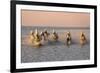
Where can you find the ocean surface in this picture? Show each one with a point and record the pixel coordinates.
(55, 51)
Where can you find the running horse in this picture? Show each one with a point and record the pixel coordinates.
(55, 36)
(68, 39)
(82, 39)
(44, 35)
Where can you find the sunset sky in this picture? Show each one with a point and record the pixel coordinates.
(54, 19)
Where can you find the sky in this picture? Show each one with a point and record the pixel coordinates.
(54, 19)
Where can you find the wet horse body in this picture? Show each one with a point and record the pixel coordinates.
(35, 39)
(82, 39)
(44, 35)
(68, 38)
(55, 36)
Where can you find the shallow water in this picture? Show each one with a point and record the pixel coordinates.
(55, 51)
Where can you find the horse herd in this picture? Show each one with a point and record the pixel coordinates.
(35, 38)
